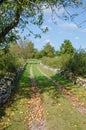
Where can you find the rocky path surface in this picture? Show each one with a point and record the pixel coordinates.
(36, 119)
(75, 101)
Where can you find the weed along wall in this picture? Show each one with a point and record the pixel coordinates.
(7, 84)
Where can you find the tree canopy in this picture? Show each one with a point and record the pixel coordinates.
(67, 47)
(16, 14)
(48, 50)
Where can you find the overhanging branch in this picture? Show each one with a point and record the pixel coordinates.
(10, 26)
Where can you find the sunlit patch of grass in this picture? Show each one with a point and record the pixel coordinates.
(77, 91)
(59, 112)
(15, 111)
(33, 61)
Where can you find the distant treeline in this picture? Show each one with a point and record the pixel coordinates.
(67, 58)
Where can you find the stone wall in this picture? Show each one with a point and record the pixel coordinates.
(81, 82)
(7, 84)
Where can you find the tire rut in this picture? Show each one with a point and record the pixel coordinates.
(36, 119)
(75, 101)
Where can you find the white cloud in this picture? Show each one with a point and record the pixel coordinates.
(68, 26)
(84, 30)
(46, 9)
(64, 25)
(76, 38)
(60, 10)
(56, 10)
(48, 40)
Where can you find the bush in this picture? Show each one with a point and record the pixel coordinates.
(78, 63)
(57, 62)
(10, 61)
(70, 63)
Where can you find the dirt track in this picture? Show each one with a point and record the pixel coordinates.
(75, 101)
(36, 120)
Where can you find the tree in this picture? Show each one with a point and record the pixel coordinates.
(48, 50)
(18, 13)
(30, 50)
(67, 48)
(38, 54)
(11, 60)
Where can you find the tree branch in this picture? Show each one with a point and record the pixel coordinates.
(10, 26)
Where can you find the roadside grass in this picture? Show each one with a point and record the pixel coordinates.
(33, 61)
(59, 112)
(77, 91)
(15, 111)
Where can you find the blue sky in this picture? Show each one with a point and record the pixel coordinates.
(61, 30)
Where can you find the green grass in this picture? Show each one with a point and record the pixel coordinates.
(79, 92)
(59, 112)
(33, 61)
(15, 111)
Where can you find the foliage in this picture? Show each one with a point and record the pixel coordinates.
(68, 60)
(49, 61)
(77, 64)
(66, 47)
(12, 59)
(1, 59)
(57, 62)
(48, 50)
(38, 54)
(19, 13)
(30, 49)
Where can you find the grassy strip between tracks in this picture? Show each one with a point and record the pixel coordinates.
(77, 91)
(60, 113)
(15, 111)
